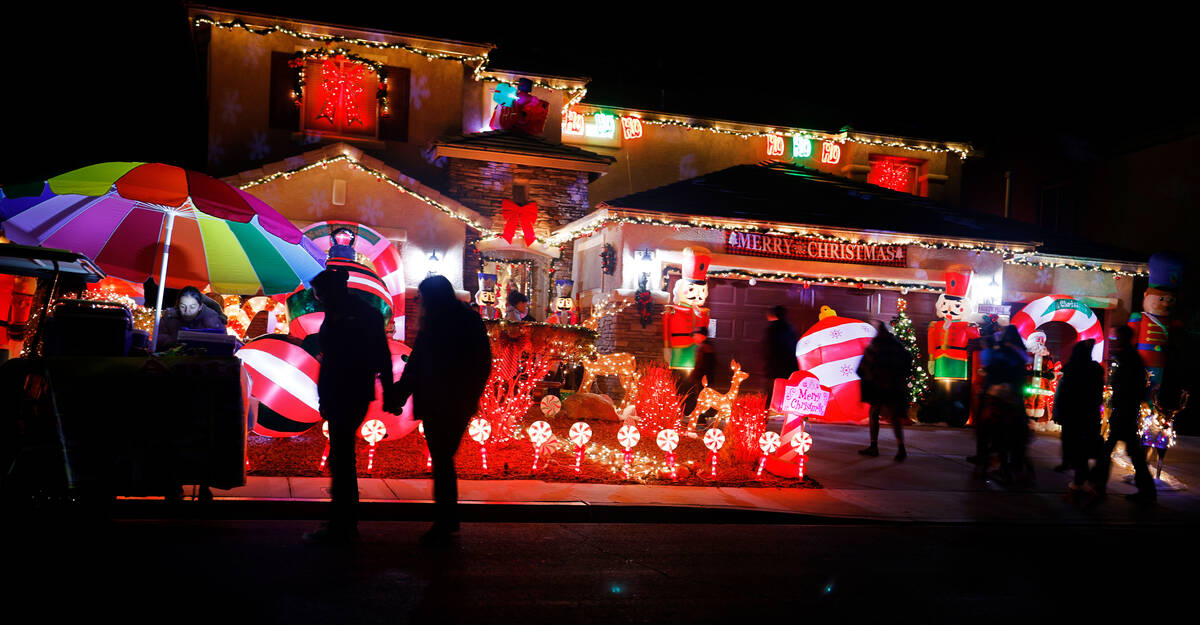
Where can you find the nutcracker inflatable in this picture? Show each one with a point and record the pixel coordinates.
(1152, 326)
(686, 313)
(949, 335)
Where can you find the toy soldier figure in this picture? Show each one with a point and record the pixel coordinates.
(686, 314)
(1152, 326)
(948, 337)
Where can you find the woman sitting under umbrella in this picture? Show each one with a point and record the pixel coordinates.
(190, 313)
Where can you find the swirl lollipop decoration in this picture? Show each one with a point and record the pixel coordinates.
(714, 439)
(480, 430)
(628, 436)
(580, 433)
(428, 456)
(324, 454)
(768, 443)
(539, 432)
(372, 431)
(802, 442)
(668, 440)
(550, 406)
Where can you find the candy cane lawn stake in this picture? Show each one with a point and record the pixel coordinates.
(667, 441)
(539, 432)
(550, 406)
(480, 430)
(428, 456)
(580, 433)
(802, 442)
(372, 431)
(628, 436)
(324, 454)
(768, 442)
(713, 440)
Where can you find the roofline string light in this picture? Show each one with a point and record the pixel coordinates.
(807, 280)
(1078, 266)
(382, 177)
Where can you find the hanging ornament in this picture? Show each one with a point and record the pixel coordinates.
(539, 432)
(580, 433)
(714, 439)
(480, 430)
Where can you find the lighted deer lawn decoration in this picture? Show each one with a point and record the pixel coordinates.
(621, 364)
(722, 403)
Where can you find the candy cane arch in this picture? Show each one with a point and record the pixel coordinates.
(480, 430)
(714, 439)
(768, 443)
(1069, 310)
(377, 249)
(668, 440)
(628, 436)
(539, 432)
(580, 433)
(372, 431)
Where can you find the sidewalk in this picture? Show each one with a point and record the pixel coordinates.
(933, 485)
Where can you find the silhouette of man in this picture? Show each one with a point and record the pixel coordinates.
(1128, 380)
(445, 375)
(354, 351)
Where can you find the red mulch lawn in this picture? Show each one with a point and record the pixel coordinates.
(300, 456)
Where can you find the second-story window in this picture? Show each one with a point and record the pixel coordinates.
(897, 173)
(340, 98)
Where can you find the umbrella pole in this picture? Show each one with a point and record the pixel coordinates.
(162, 277)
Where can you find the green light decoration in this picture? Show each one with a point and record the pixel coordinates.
(603, 126)
(801, 147)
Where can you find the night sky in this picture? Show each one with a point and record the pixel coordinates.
(108, 83)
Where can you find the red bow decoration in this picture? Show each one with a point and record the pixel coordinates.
(515, 215)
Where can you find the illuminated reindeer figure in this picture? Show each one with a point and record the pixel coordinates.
(723, 403)
(621, 364)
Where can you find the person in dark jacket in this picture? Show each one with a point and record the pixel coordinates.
(445, 375)
(354, 351)
(1128, 381)
(1003, 425)
(780, 345)
(1077, 409)
(705, 368)
(884, 373)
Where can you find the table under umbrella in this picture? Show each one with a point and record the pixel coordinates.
(140, 219)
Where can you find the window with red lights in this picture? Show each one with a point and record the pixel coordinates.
(897, 173)
(341, 99)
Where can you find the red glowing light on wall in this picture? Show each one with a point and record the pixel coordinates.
(774, 145)
(830, 152)
(897, 174)
(631, 128)
(573, 124)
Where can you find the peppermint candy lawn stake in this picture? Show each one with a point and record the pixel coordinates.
(628, 436)
(324, 454)
(539, 432)
(802, 442)
(668, 440)
(713, 440)
(768, 442)
(480, 430)
(428, 457)
(550, 406)
(580, 433)
(372, 431)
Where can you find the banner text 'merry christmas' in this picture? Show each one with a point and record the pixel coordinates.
(811, 248)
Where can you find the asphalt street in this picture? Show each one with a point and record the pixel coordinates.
(228, 571)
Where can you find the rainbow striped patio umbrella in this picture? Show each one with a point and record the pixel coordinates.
(140, 219)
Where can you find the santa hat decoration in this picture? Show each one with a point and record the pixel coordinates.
(1166, 271)
(956, 283)
(695, 264)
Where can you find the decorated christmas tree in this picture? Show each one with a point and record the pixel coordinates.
(918, 379)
